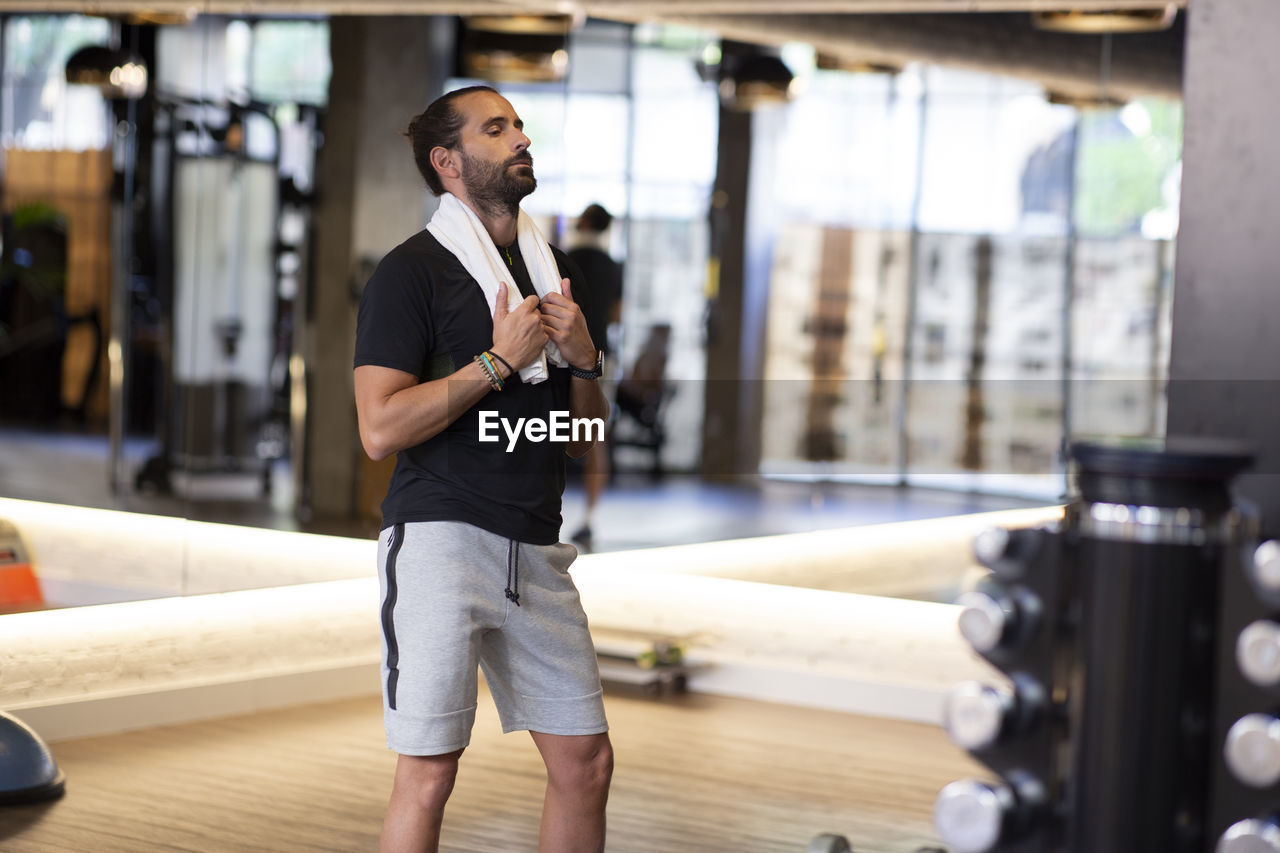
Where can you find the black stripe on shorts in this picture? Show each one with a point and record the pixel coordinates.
(388, 614)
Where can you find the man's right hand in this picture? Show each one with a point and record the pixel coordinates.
(517, 334)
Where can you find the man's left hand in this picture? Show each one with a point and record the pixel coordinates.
(566, 326)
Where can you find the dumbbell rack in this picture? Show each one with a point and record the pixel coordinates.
(1143, 664)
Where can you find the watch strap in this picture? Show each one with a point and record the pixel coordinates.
(594, 373)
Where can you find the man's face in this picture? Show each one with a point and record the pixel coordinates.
(497, 169)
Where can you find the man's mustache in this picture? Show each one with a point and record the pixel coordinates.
(521, 160)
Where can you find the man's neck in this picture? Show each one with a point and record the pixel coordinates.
(501, 224)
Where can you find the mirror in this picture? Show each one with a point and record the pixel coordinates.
(155, 250)
(949, 270)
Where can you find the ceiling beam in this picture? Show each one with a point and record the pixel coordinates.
(631, 10)
(274, 7)
(634, 8)
(1073, 65)
(1080, 66)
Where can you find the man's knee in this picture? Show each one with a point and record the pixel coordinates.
(427, 779)
(587, 768)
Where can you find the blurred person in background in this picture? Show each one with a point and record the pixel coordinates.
(603, 274)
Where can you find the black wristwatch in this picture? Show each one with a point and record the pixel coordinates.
(595, 372)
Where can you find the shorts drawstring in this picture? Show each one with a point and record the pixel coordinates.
(513, 571)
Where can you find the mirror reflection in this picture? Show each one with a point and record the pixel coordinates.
(854, 290)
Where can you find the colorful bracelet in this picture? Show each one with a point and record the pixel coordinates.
(488, 360)
(490, 372)
(493, 369)
(505, 363)
(495, 378)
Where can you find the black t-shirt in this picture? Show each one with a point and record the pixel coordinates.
(422, 313)
(604, 277)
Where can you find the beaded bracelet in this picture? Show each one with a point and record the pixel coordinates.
(490, 372)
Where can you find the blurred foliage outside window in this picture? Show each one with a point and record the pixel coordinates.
(1128, 169)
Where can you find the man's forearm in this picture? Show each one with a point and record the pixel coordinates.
(586, 400)
(415, 414)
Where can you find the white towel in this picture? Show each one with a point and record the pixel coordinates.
(460, 231)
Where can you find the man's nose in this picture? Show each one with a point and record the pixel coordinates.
(522, 141)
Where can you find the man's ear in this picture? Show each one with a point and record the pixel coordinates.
(445, 162)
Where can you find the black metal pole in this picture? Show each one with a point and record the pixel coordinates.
(1152, 528)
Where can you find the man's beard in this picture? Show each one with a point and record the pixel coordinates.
(493, 187)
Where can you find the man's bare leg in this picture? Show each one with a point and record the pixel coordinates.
(422, 787)
(595, 476)
(579, 768)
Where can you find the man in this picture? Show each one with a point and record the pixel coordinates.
(471, 569)
(590, 253)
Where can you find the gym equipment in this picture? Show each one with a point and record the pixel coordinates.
(828, 843)
(1141, 644)
(219, 314)
(1117, 629)
(653, 662)
(28, 773)
(19, 587)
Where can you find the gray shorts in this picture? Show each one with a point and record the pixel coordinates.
(455, 597)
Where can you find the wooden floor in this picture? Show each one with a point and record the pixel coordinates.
(694, 773)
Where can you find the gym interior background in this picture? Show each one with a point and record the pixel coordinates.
(899, 254)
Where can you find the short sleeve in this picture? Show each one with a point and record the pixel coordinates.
(393, 326)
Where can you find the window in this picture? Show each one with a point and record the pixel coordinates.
(634, 128)
(291, 61)
(1003, 248)
(40, 110)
